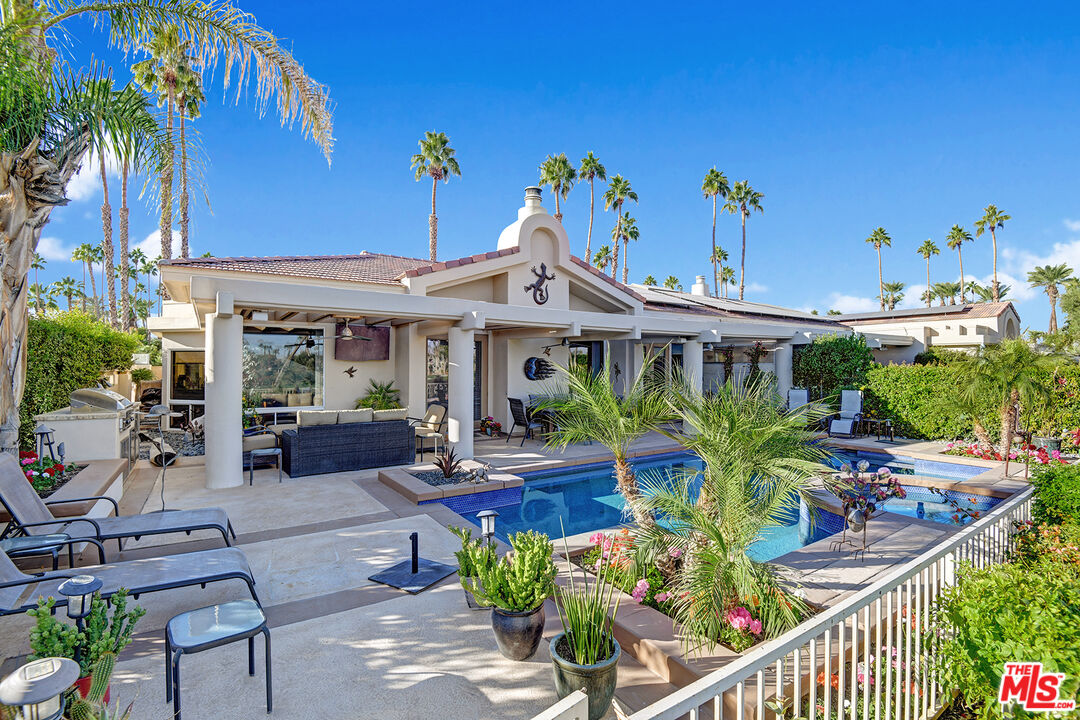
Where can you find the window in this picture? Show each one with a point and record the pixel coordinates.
(283, 368)
(438, 372)
(188, 376)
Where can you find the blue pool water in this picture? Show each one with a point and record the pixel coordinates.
(583, 498)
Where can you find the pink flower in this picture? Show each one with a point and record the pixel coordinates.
(596, 538)
(739, 618)
(755, 627)
(675, 553)
(662, 597)
(640, 590)
(27, 461)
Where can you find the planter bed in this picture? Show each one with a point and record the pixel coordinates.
(98, 477)
(406, 482)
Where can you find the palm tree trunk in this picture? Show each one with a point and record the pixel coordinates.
(960, 254)
(93, 287)
(1052, 294)
(83, 298)
(625, 260)
(742, 263)
(715, 271)
(588, 239)
(125, 301)
(433, 224)
(626, 481)
(981, 435)
(880, 279)
(558, 212)
(993, 238)
(166, 187)
(1008, 424)
(615, 242)
(106, 242)
(184, 250)
(31, 187)
(927, 281)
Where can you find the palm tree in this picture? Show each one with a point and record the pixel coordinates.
(38, 263)
(593, 411)
(727, 277)
(956, 238)
(618, 192)
(715, 185)
(591, 169)
(436, 160)
(149, 268)
(992, 220)
(1008, 373)
(43, 298)
(189, 103)
(557, 173)
(880, 238)
(986, 294)
(947, 291)
(672, 283)
(743, 199)
(137, 258)
(602, 258)
(928, 296)
(893, 294)
(649, 280)
(748, 485)
(629, 230)
(84, 254)
(69, 288)
(718, 258)
(927, 249)
(1048, 277)
(50, 117)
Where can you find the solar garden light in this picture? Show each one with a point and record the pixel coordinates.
(43, 433)
(37, 688)
(487, 523)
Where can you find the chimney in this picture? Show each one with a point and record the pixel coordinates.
(699, 287)
(532, 203)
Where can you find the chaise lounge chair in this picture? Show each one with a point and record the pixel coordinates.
(30, 515)
(846, 423)
(797, 397)
(19, 591)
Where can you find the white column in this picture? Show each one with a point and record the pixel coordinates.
(693, 362)
(224, 425)
(460, 421)
(782, 368)
(410, 367)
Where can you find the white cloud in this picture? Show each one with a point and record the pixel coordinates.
(52, 248)
(754, 287)
(1073, 225)
(151, 246)
(851, 303)
(87, 182)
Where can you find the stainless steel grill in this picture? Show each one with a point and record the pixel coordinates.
(99, 399)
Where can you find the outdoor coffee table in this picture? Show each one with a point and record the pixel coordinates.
(38, 546)
(208, 628)
(273, 452)
(880, 428)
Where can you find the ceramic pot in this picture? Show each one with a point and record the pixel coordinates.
(1050, 444)
(518, 634)
(598, 680)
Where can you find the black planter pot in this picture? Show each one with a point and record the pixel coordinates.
(598, 680)
(518, 634)
(470, 600)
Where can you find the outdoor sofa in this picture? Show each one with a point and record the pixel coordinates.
(30, 515)
(329, 441)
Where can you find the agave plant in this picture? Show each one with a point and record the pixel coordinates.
(447, 462)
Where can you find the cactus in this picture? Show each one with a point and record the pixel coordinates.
(90, 707)
(521, 580)
(473, 553)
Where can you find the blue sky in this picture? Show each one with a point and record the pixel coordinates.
(911, 116)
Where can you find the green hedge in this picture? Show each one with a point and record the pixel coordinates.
(66, 352)
(916, 398)
(832, 363)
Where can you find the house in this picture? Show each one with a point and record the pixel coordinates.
(311, 332)
(897, 336)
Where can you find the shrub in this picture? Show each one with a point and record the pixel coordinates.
(1057, 494)
(1008, 613)
(916, 397)
(141, 375)
(520, 580)
(939, 356)
(66, 352)
(832, 363)
(380, 396)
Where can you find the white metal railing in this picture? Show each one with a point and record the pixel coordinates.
(870, 649)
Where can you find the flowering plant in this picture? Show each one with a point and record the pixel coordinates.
(1025, 453)
(41, 472)
(490, 423)
(741, 629)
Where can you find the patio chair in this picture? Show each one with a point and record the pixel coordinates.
(797, 397)
(30, 515)
(19, 591)
(846, 423)
(429, 427)
(523, 418)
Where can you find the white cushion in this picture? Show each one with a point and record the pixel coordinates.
(308, 418)
(345, 417)
(397, 414)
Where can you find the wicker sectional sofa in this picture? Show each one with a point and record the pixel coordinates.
(326, 441)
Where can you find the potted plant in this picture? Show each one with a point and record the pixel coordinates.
(490, 426)
(515, 587)
(585, 655)
(472, 553)
(100, 636)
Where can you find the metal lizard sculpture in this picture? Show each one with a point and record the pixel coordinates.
(539, 291)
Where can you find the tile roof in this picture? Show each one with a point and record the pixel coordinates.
(606, 278)
(949, 312)
(668, 300)
(364, 267)
(430, 267)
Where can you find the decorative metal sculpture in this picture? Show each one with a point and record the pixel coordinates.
(862, 494)
(539, 288)
(538, 369)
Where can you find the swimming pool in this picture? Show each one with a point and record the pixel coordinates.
(584, 499)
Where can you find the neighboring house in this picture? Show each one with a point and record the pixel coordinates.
(897, 336)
